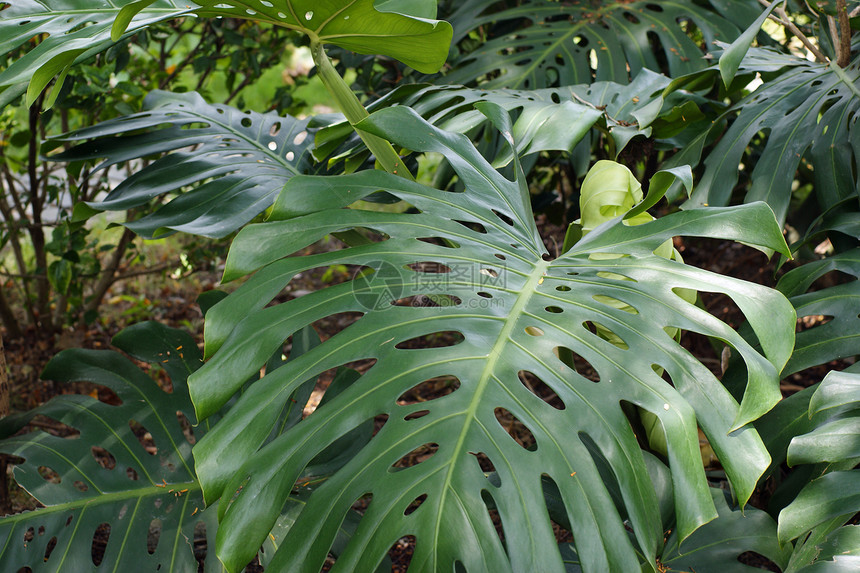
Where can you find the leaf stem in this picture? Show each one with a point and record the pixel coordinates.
(355, 112)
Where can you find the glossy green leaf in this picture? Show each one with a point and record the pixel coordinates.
(833, 495)
(806, 109)
(514, 310)
(558, 44)
(837, 338)
(715, 547)
(731, 58)
(830, 442)
(239, 163)
(77, 29)
(547, 119)
(839, 392)
(106, 475)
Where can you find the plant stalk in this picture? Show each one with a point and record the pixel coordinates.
(355, 112)
(844, 34)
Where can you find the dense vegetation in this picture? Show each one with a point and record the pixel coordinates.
(629, 451)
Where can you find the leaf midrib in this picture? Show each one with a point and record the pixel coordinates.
(528, 290)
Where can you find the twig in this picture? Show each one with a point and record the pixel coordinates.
(844, 38)
(786, 21)
(110, 274)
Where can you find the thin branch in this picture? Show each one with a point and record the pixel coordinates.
(784, 20)
(844, 34)
(109, 275)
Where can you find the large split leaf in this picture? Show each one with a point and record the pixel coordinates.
(828, 501)
(507, 309)
(715, 547)
(114, 498)
(77, 29)
(236, 162)
(839, 336)
(543, 43)
(806, 109)
(106, 478)
(548, 119)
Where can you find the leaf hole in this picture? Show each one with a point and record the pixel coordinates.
(143, 436)
(758, 561)
(153, 536)
(187, 428)
(101, 536)
(563, 288)
(439, 242)
(500, 257)
(201, 543)
(555, 504)
(613, 302)
(419, 455)
(534, 331)
(81, 486)
(442, 339)
(246, 122)
(300, 138)
(52, 543)
(486, 465)
(428, 301)
(416, 415)
(554, 309)
(402, 551)
(416, 503)
(290, 156)
(29, 535)
(41, 530)
(483, 294)
(104, 458)
(505, 218)
(49, 474)
(540, 389)
(69, 520)
(490, 273)
(493, 513)
(605, 333)
(431, 267)
(432, 389)
(576, 362)
(132, 474)
(515, 428)
(275, 129)
(476, 227)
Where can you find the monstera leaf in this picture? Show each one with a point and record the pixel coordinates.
(499, 308)
(807, 109)
(140, 500)
(716, 546)
(237, 162)
(76, 30)
(839, 336)
(828, 501)
(543, 43)
(548, 119)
